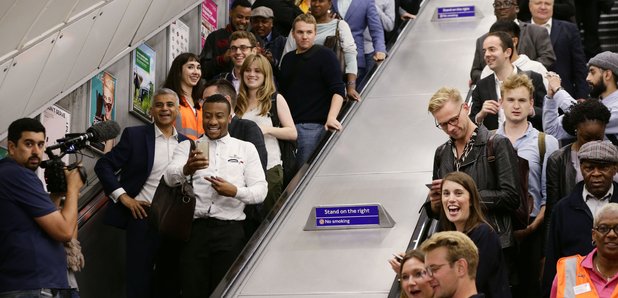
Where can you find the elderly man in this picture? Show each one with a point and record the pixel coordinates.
(451, 259)
(572, 218)
(271, 41)
(570, 59)
(592, 274)
(602, 76)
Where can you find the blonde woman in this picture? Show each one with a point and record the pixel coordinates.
(256, 96)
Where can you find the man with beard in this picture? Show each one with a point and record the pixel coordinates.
(602, 77)
(32, 229)
(214, 58)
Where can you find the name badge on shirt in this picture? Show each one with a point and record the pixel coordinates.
(235, 159)
(583, 288)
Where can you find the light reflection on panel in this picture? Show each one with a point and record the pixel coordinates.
(17, 86)
(126, 29)
(4, 70)
(60, 62)
(54, 14)
(98, 40)
(152, 20)
(17, 22)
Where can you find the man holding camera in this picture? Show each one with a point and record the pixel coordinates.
(32, 229)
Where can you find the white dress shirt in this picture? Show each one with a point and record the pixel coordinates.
(595, 204)
(164, 150)
(547, 25)
(235, 161)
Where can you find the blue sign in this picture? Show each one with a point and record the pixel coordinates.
(347, 216)
(456, 12)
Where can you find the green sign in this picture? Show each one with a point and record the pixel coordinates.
(142, 60)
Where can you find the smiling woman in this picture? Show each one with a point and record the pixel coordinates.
(461, 211)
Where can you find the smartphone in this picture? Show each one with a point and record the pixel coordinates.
(398, 257)
(428, 185)
(202, 145)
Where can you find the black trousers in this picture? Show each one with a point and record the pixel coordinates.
(209, 253)
(528, 264)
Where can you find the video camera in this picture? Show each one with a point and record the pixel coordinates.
(71, 144)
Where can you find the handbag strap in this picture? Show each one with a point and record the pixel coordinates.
(337, 32)
(191, 148)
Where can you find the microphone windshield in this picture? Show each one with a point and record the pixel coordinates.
(104, 131)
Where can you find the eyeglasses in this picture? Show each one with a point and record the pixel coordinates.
(603, 229)
(431, 270)
(417, 275)
(502, 5)
(453, 121)
(241, 48)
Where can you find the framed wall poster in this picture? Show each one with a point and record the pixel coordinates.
(178, 41)
(209, 19)
(102, 105)
(144, 62)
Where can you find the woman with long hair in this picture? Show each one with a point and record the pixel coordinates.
(327, 26)
(461, 211)
(413, 278)
(184, 77)
(256, 96)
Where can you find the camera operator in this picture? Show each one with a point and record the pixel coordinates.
(33, 262)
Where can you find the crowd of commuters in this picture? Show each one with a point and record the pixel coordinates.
(251, 89)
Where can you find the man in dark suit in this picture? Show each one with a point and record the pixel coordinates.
(572, 218)
(498, 48)
(142, 155)
(570, 59)
(534, 41)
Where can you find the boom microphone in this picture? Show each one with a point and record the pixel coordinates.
(99, 132)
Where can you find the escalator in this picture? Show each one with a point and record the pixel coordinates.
(384, 155)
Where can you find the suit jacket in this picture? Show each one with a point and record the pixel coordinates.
(249, 131)
(486, 89)
(133, 156)
(570, 58)
(570, 231)
(534, 42)
(360, 15)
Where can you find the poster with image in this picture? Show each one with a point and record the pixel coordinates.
(102, 104)
(178, 41)
(209, 19)
(143, 74)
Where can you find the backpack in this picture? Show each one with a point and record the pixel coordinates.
(287, 148)
(521, 217)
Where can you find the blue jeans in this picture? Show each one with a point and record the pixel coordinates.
(309, 135)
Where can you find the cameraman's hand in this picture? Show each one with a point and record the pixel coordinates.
(136, 207)
(74, 180)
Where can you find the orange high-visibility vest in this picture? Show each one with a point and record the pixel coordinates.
(189, 123)
(573, 280)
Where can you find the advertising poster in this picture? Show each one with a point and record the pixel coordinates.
(209, 19)
(179, 41)
(57, 124)
(102, 104)
(144, 62)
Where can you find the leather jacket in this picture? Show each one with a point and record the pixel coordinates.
(497, 182)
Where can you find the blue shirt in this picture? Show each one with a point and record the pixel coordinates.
(29, 258)
(527, 147)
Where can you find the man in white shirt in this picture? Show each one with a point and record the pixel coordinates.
(226, 178)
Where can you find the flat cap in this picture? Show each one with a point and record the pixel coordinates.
(605, 60)
(599, 151)
(262, 11)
